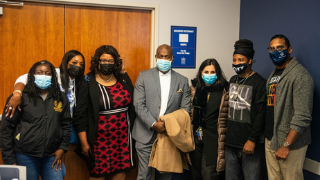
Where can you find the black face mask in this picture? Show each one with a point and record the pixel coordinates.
(239, 68)
(106, 69)
(75, 71)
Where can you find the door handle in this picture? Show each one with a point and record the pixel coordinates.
(8, 3)
(11, 3)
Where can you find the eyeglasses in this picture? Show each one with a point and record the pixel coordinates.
(278, 48)
(105, 61)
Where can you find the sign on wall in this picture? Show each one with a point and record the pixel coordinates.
(183, 43)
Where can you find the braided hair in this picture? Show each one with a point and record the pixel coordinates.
(32, 89)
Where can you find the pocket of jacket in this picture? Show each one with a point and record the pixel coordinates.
(178, 95)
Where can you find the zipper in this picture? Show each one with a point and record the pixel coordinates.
(45, 126)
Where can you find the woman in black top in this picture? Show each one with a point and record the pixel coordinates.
(206, 93)
(105, 115)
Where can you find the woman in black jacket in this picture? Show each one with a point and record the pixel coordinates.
(69, 75)
(206, 92)
(38, 135)
(105, 115)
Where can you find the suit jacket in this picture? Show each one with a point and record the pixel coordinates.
(147, 101)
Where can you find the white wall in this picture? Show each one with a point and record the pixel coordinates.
(217, 23)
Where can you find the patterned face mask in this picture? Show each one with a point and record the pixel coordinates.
(279, 57)
(239, 68)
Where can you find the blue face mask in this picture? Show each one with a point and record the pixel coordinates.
(279, 58)
(163, 65)
(42, 81)
(209, 78)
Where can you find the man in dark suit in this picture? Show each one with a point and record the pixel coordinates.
(158, 91)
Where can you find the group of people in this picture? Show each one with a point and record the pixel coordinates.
(239, 126)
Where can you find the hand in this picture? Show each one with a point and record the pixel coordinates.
(13, 103)
(85, 148)
(58, 158)
(159, 126)
(282, 153)
(123, 70)
(248, 147)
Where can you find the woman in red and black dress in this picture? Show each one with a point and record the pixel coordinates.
(104, 116)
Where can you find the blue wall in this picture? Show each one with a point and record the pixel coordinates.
(300, 22)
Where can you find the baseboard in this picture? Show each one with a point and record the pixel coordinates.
(312, 166)
(309, 164)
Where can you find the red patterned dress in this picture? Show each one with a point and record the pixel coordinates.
(111, 144)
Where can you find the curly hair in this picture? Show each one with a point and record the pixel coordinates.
(106, 49)
(64, 75)
(34, 91)
(221, 81)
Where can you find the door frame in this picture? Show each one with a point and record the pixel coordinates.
(154, 8)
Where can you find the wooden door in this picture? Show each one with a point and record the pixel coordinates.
(40, 31)
(87, 28)
(28, 34)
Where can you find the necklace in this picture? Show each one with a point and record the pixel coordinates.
(105, 80)
(235, 97)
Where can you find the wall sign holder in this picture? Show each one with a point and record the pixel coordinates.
(183, 43)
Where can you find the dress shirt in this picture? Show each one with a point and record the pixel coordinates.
(165, 81)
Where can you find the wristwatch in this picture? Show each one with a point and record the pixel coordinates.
(286, 144)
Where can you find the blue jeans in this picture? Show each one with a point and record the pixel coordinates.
(40, 166)
(240, 165)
